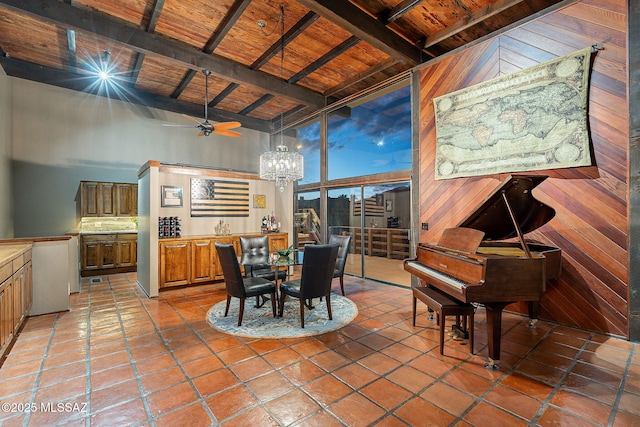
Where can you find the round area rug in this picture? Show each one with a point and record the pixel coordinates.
(260, 323)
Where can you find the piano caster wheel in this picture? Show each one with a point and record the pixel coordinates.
(492, 365)
(532, 323)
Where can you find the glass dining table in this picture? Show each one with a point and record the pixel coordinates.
(275, 261)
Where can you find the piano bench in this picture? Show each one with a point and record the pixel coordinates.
(443, 306)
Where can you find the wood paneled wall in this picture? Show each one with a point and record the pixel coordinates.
(591, 224)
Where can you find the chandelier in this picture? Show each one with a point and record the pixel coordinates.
(281, 165)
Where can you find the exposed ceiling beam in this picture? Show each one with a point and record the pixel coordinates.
(283, 41)
(398, 11)
(83, 83)
(225, 25)
(85, 21)
(348, 16)
(332, 54)
(151, 27)
(470, 21)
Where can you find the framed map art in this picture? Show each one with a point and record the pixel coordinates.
(533, 119)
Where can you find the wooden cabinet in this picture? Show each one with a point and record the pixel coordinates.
(108, 253)
(175, 263)
(202, 261)
(127, 251)
(127, 196)
(278, 241)
(16, 292)
(105, 199)
(191, 261)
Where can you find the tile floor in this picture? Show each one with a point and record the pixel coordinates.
(118, 358)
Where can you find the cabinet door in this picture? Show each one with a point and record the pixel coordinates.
(279, 241)
(108, 254)
(89, 199)
(18, 310)
(126, 253)
(28, 287)
(90, 255)
(202, 269)
(174, 263)
(127, 195)
(6, 313)
(107, 199)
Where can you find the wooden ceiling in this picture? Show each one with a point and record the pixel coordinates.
(158, 48)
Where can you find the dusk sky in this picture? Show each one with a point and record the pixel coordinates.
(375, 138)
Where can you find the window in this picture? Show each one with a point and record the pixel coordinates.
(309, 147)
(371, 136)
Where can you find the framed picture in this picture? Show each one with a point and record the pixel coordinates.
(388, 206)
(171, 196)
(259, 201)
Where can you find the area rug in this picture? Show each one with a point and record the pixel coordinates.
(260, 323)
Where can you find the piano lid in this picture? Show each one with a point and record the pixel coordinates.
(493, 218)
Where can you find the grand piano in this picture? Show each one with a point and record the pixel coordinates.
(473, 264)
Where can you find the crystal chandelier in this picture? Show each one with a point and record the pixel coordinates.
(281, 165)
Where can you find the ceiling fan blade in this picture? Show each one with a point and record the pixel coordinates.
(225, 132)
(192, 118)
(175, 125)
(227, 125)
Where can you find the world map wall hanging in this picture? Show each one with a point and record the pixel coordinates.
(533, 119)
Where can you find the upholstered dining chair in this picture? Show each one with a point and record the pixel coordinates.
(258, 247)
(239, 286)
(315, 278)
(343, 243)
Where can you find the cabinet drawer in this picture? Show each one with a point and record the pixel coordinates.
(6, 271)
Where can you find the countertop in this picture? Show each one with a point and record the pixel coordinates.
(9, 251)
(109, 232)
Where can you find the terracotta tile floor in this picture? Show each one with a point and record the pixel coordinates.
(118, 358)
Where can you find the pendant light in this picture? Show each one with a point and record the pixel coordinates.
(281, 165)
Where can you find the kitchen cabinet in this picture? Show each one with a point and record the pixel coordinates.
(194, 260)
(16, 292)
(127, 250)
(108, 253)
(108, 199)
(127, 197)
(175, 263)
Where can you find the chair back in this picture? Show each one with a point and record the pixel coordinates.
(317, 270)
(231, 270)
(255, 245)
(256, 251)
(343, 243)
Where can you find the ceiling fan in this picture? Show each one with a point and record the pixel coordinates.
(206, 127)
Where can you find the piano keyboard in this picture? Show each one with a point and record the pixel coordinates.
(449, 280)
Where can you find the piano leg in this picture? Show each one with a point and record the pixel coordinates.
(534, 307)
(494, 332)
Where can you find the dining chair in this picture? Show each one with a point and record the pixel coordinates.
(343, 243)
(239, 286)
(315, 278)
(258, 247)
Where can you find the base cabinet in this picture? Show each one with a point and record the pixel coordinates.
(16, 295)
(191, 261)
(101, 253)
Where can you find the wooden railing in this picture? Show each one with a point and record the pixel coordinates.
(390, 243)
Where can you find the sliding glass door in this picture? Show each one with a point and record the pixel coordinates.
(341, 203)
(377, 218)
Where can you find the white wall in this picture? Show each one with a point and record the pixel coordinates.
(61, 137)
(6, 98)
